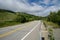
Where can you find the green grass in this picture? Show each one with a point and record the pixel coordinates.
(8, 23)
(54, 25)
(6, 19)
(7, 16)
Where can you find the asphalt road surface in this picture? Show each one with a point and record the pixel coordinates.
(17, 32)
(56, 33)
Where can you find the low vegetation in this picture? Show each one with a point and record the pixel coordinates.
(54, 25)
(51, 37)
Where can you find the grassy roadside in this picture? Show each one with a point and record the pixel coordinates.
(8, 23)
(51, 37)
(47, 23)
(50, 26)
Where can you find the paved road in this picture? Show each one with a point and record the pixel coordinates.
(17, 32)
(56, 33)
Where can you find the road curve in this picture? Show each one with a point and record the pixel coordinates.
(17, 32)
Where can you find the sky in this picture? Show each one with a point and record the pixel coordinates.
(35, 7)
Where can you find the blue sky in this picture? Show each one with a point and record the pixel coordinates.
(35, 7)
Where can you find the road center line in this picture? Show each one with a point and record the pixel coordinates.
(8, 33)
(29, 32)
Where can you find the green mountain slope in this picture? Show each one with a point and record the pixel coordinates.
(8, 17)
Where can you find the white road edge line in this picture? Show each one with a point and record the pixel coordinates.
(29, 32)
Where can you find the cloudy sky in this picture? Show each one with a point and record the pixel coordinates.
(36, 7)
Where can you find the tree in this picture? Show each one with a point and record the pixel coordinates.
(20, 19)
(54, 17)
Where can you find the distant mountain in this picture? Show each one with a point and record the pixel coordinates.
(6, 15)
(3, 10)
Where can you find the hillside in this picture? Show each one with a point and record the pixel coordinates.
(8, 17)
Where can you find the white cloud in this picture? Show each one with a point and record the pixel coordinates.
(46, 1)
(24, 6)
(36, 7)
